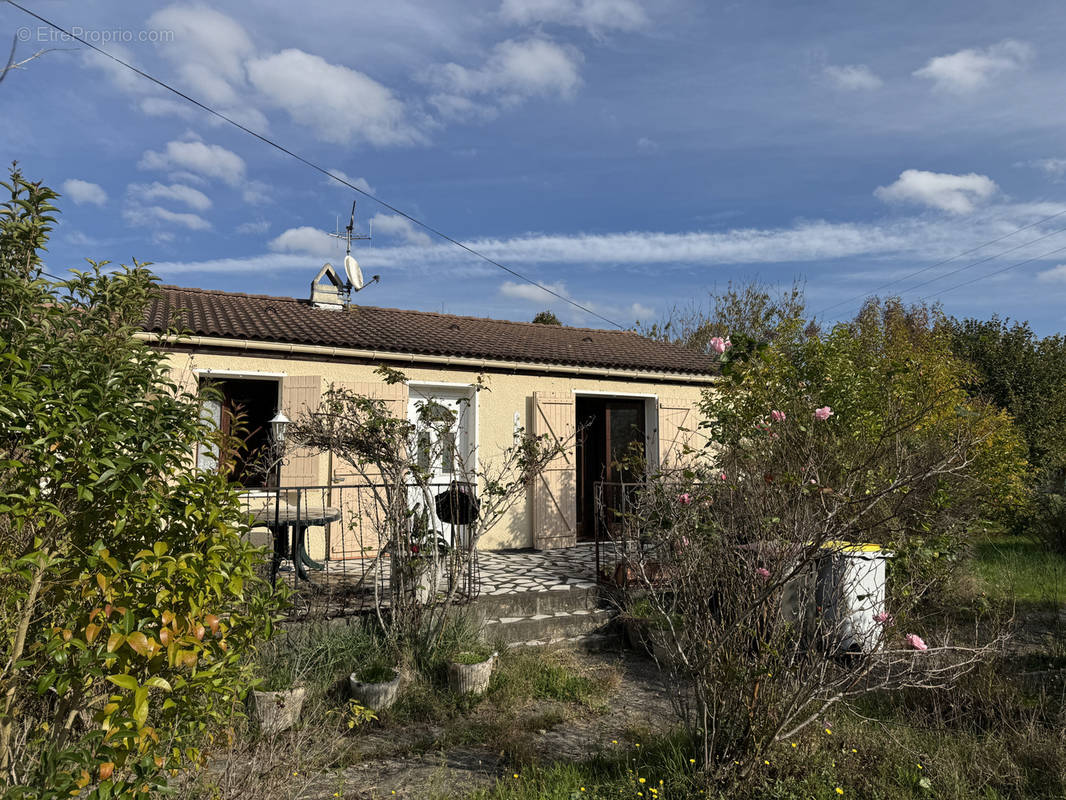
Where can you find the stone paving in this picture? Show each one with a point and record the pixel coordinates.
(345, 587)
(514, 571)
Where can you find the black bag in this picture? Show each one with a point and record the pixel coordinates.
(457, 505)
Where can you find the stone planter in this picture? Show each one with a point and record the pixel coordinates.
(279, 711)
(470, 678)
(375, 696)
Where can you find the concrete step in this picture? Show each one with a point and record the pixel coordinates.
(565, 597)
(546, 628)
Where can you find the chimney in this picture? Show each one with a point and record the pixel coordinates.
(331, 293)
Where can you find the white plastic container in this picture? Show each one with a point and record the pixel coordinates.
(851, 594)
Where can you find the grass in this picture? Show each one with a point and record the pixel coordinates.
(994, 737)
(1018, 569)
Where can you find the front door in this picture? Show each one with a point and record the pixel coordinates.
(442, 450)
(610, 452)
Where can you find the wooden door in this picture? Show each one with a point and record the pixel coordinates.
(554, 490)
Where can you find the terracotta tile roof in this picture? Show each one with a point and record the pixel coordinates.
(230, 315)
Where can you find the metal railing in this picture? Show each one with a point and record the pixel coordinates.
(617, 531)
(331, 543)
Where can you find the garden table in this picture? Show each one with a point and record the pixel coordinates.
(279, 516)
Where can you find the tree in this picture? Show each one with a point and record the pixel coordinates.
(129, 600)
(418, 574)
(751, 312)
(546, 318)
(733, 559)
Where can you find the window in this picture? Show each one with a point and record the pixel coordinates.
(241, 409)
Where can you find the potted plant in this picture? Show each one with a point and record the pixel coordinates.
(469, 670)
(279, 697)
(376, 685)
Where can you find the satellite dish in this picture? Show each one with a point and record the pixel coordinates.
(355, 275)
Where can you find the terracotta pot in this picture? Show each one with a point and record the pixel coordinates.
(279, 711)
(470, 678)
(375, 696)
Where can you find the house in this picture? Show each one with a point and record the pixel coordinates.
(270, 353)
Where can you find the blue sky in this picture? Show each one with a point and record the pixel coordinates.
(632, 155)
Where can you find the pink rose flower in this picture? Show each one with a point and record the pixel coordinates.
(723, 477)
(777, 416)
(884, 618)
(719, 344)
(763, 573)
(915, 641)
(684, 499)
(823, 413)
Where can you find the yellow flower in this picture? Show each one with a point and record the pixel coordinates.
(767, 763)
(692, 761)
(839, 790)
(641, 780)
(919, 766)
(795, 745)
(516, 775)
(614, 741)
(828, 732)
(582, 788)
(637, 744)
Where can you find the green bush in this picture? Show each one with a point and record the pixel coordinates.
(129, 600)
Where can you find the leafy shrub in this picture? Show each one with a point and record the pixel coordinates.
(129, 600)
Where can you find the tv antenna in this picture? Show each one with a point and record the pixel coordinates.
(352, 272)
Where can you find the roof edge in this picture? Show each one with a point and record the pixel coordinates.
(293, 348)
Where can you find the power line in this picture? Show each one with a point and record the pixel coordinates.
(947, 260)
(994, 273)
(315, 166)
(985, 259)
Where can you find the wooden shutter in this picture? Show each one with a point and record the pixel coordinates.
(677, 418)
(300, 394)
(395, 397)
(555, 489)
(356, 536)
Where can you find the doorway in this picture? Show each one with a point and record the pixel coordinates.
(611, 448)
(443, 450)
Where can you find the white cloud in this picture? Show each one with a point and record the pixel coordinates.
(306, 240)
(595, 16)
(400, 228)
(971, 69)
(164, 106)
(647, 145)
(1056, 274)
(641, 312)
(175, 192)
(258, 227)
(513, 72)
(149, 215)
(122, 78)
(531, 293)
(207, 46)
(358, 182)
(457, 107)
(853, 77)
(815, 243)
(957, 194)
(208, 160)
(1052, 167)
(342, 105)
(256, 193)
(82, 192)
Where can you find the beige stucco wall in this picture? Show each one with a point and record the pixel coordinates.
(507, 394)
